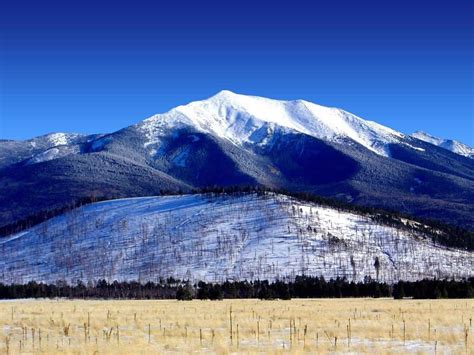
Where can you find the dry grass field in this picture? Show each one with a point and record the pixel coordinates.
(234, 326)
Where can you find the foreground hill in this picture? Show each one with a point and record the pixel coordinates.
(232, 139)
(214, 238)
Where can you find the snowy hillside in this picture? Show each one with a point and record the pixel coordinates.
(451, 145)
(200, 237)
(251, 120)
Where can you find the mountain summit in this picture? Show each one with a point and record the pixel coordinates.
(244, 119)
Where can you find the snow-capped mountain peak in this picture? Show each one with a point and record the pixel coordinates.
(239, 117)
(449, 144)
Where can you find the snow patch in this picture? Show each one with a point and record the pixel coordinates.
(57, 139)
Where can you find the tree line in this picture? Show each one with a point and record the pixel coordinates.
(300, 287)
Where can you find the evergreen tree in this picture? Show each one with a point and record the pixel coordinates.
(183, 293)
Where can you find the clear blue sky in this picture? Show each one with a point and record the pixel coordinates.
(97, 66)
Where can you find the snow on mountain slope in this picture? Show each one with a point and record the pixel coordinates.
(249, 119)
(42, 148)
(55, 139)
(452, 145)
(200, 237)
(61, 138)
(54, 153)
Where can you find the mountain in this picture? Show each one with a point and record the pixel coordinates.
(43, 148)
(214, 238)
(451, 145)
(232, 139)
(249, 120)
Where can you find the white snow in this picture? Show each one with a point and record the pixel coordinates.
(247, 119)
(53, 145)
(427, 138)
(57, 139)
(200, 237)
(49, 154)
(54, 153)
(451, 145)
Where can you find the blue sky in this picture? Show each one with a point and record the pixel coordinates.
(98, 66)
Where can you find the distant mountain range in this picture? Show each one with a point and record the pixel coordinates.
(232, 139)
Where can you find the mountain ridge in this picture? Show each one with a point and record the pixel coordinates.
(238, 117)
(327, 123)
(448, 144)
(232, 139)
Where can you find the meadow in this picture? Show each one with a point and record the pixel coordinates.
(233, 326)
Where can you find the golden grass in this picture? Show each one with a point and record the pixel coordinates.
(296, 326)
